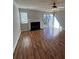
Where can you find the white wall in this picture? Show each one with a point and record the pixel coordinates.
(16, 26)
(33, 16)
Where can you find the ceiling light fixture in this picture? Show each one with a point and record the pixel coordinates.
(54, 5)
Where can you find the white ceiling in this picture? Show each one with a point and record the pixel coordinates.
(42, 5)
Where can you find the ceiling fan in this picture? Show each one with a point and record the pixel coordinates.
(55, 7)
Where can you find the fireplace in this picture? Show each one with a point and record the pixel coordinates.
(35, 26)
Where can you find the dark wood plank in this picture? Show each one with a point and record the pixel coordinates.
(41, 44)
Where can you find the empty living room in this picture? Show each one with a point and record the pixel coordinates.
(38, 29)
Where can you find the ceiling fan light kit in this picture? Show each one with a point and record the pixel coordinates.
(54, 5)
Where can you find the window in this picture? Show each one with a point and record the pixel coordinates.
(47, 18)
(23, 17)
(56, 23)
(50, 20)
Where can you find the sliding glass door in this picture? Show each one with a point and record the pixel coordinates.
(49, 20)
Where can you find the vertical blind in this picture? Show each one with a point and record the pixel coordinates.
(48, 20)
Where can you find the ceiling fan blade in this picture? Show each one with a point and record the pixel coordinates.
(57, 9)
(60, 7)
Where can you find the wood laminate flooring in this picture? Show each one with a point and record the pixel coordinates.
(41, 44)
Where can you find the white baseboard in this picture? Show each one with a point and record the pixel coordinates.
(16, 42)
